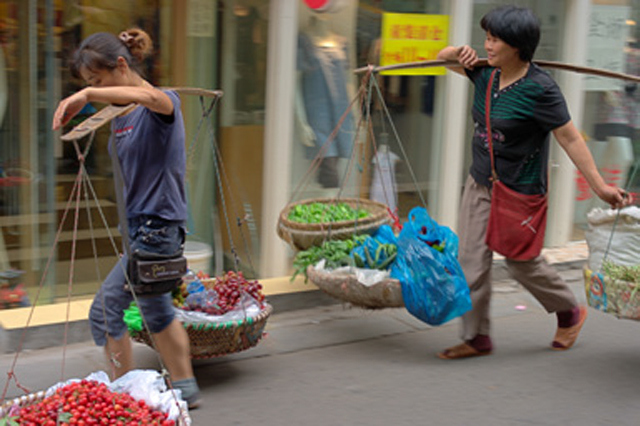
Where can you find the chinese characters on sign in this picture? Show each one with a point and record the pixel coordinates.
(408, 37)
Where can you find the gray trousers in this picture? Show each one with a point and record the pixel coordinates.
(536, 275)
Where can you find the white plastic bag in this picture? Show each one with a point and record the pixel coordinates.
(247, 308)
(366, 277)
(625, 241)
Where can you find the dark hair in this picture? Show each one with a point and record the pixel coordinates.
(516, 26)
(101, 51)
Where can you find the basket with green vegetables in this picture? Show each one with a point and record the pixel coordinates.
(319, 212)
(361, 251)
(308, 223)
(629, 274)
(374, 290)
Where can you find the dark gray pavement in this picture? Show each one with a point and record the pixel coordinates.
(335, 365)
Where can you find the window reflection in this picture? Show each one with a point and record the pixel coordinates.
(37, 170)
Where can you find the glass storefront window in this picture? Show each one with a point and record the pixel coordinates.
(611, 108)
(37, 170)
(243, 73)
(325, 87)
(339, 42)
(199, 43)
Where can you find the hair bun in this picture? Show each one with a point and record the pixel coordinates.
(138, 42)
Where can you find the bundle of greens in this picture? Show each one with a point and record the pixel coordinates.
(334, 252)
(325, 212)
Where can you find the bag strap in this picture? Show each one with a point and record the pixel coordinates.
(487, 113)
(118, 180)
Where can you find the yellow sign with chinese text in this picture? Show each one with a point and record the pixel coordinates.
(411, 37)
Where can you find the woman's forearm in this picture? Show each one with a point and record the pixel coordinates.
(151, 98)
(465, 55)
(449, 53)
(576, 148)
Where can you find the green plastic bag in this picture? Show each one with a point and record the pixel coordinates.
(132, 317)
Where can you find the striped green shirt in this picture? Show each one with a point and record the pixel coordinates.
(522, 117)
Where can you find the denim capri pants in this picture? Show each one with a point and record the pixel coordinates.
(152, 234)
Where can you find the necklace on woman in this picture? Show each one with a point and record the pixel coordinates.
(508, 78)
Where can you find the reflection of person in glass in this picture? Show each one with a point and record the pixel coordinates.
(149, 142)
(615, 128)
(526, 106)
(612, 145)
(322, 98)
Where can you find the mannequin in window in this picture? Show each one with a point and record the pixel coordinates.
(322, 98)
(384, 187)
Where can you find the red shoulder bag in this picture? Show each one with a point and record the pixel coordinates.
(517, 222)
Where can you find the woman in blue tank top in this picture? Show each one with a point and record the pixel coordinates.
(149, 142)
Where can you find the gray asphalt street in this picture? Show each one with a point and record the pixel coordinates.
(335, 365)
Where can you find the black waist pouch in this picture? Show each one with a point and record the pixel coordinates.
(153, 274)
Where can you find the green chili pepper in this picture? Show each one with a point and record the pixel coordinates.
(378, 252)
(384, 265)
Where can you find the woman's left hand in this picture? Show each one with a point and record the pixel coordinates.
(69, 108)
(467, 56)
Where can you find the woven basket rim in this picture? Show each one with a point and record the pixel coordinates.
(350, 230)
(376, 209)
(301, 239)
(21, 401)
(264, 313)
(212, 348)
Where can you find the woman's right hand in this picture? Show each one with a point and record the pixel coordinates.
(68, 108)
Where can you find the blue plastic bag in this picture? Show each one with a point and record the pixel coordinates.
(433, 285)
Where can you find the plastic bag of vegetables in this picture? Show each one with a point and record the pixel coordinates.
(434, 288)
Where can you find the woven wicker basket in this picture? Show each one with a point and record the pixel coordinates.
(21, 401)
(218, 339)
(616, 297)
(346, 287)
(301, 236)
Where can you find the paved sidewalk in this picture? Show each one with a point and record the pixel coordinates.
(573, 252)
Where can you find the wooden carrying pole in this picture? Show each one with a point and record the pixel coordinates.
(109, 112)
(483, 62)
